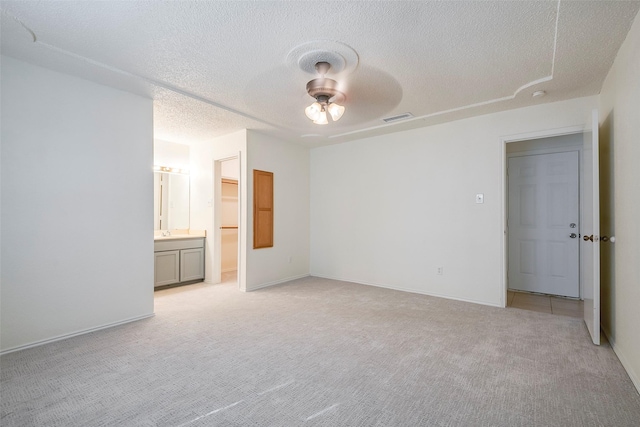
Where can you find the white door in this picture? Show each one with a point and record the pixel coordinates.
(590, 243)
(543, 223)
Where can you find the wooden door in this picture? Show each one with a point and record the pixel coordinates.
(262, 209)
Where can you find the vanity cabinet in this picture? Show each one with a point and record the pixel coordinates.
(178, 261)
(191, 264)
(167, 268)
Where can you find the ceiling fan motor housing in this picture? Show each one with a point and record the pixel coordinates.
(325, 88)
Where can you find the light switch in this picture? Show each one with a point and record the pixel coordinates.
(480, 198)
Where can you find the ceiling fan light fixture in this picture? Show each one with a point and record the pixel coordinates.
(327, 97)
(336, 111)
(313, 111)
(322, 118)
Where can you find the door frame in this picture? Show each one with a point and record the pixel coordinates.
(217, 222)
(504, 140)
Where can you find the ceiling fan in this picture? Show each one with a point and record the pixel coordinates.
(328, 98)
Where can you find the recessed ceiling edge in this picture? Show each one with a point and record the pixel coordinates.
(342, 58)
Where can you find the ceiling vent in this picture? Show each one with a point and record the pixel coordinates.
(397, 118)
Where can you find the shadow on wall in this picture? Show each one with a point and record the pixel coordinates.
(607, 226)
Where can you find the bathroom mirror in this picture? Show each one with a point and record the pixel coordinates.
(171, 201)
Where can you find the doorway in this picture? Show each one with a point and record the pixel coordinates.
(543, 224)
(589, 225)
(227, 210)
(229, 229)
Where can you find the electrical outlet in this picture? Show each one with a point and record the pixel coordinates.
(480, 198)
(440, 271)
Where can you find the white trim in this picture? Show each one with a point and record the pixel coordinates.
(74, 334)
(241, 265)
(276, 282)
(217, 235)
(216, 197)
(623, 360)
(412, 291)
(526, 136)
(503, 294)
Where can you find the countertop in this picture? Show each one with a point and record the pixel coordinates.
(180, 234)
(177, 237)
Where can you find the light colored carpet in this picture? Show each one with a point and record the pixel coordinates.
(322, 353)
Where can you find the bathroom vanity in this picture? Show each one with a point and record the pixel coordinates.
(178, 250)
(179, 259)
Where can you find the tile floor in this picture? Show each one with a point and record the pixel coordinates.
(230, 277)
(545, 304)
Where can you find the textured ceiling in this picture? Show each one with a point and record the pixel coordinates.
(216, 67)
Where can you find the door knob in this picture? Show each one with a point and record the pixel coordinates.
(587, 238)
(573, 235)
(611, 239)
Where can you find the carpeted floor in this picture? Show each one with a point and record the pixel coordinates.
(321, 353)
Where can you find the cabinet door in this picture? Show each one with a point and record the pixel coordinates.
(191, 264)
(262, 209)
(167, 268)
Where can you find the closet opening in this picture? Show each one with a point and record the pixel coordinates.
(227, 214)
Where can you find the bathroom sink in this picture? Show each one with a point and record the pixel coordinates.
(176, 236)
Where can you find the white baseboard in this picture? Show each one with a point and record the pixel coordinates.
(73, 334)
(413, 291)
(623, 360)
(276, 282)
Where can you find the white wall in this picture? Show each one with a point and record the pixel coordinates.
(620, 137)
(290, 165)
(289, 257)
(390, 210)
(231, 168)
(77, 205)
(171, 154)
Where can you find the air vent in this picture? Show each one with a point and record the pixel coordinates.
(397, 118)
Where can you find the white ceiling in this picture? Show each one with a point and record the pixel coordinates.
(219, 66)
